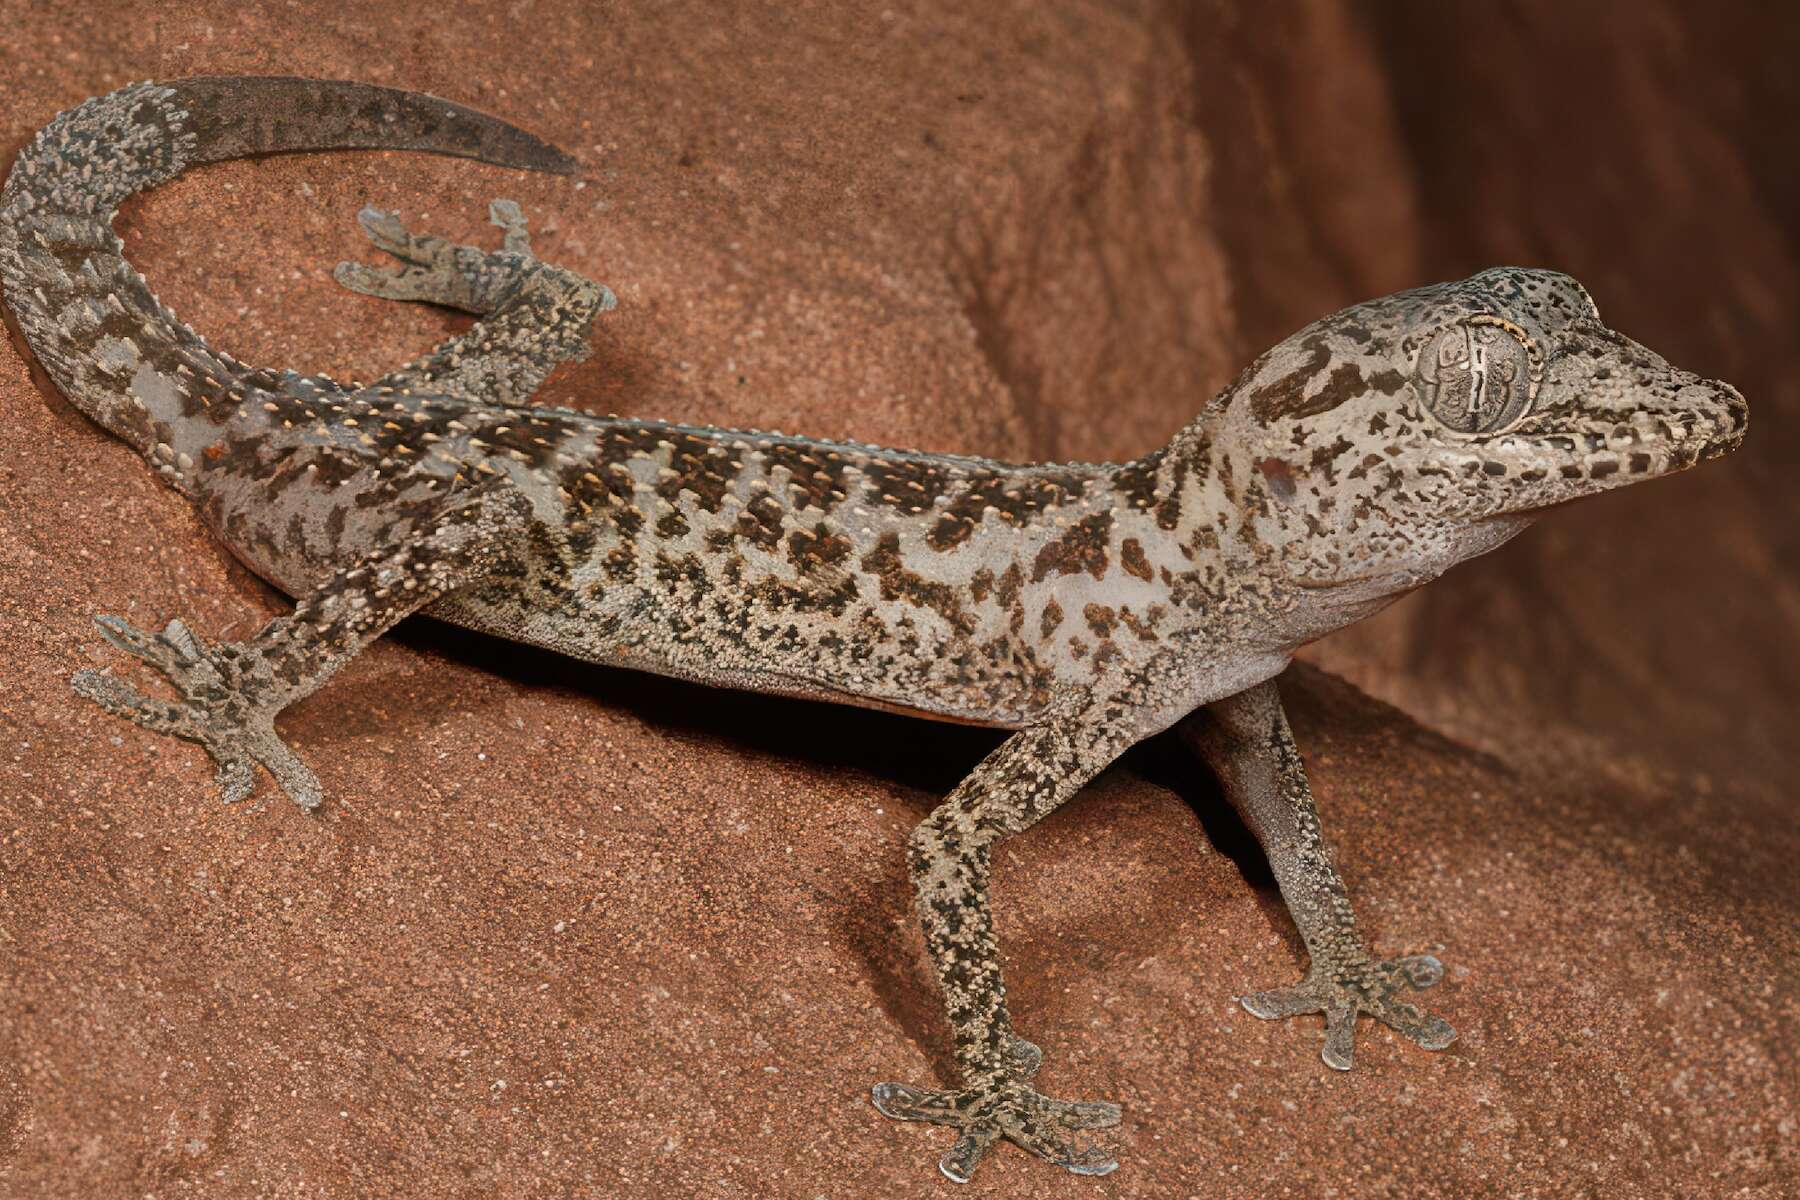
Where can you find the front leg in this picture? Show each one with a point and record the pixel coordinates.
(231, 693)
(1246, 740)
(1031, 773)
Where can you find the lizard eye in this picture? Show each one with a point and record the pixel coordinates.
(1477, 376)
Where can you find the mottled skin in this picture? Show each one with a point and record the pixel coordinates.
(1085, 607)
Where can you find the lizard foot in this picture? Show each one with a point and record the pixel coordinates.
(1360, 987)
(221, 712)
(436, 271)
(1010, 1110)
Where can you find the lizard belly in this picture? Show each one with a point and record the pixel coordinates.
(787, 655)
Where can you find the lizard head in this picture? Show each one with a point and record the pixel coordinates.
(1383, 444)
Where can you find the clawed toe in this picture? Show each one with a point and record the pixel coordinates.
(1282, 1002)
(1432, 1033)
(122, 700)
(218, 709)
(510, 217)
(1365, 987)
(903, 1102)
(176, 652)
(433, 270)
(1043, 1129)
(1093, 1114)
(1339, 1050)
(388, 233)
(388, 283)
(1027, 1118)
(168, 651)
(959, 1162)
(1421, 970)
(1083, 1160)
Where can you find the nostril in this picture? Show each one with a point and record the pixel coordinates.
(1736, 405)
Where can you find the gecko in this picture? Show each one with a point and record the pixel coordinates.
(1080, 607)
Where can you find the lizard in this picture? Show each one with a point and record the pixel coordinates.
(1079, 607)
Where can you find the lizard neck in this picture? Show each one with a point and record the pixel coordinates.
(1176, 485)
(1256, 569)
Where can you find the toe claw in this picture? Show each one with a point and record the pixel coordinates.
(1091, 1114)
(1431, 1033)
(361, 278)
(1024, 1057)
(1281, 1002)
(379, 222)
(386, 231)
(1340, 1039)
(903, 1102)
(1092, 1161)
(1420, 970)
(111, 694)
(395, 283)
(1435, 1034)
(129, 638)
(122, 700)
(959, 1162)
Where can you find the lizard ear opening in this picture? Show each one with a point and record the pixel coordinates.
(1478, 375)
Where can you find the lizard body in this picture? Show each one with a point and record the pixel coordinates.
(1083, 606)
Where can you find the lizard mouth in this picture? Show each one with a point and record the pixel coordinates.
(1569, 452)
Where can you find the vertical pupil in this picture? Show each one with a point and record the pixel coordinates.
(1478, 374)
(1473, 377)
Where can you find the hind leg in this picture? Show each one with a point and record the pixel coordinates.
(534, 316)
(229, 694)
(435, 271)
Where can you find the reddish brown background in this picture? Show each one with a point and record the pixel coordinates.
(561, 932)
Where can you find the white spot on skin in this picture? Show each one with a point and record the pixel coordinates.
(115, 356)
(160, 395)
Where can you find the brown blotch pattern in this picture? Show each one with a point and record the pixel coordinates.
(815, 476)
(1133, 559)
(886, 565)
(1082, 548)
(812, 549)
(1013, 499)
(906, 484)
(1101, 619)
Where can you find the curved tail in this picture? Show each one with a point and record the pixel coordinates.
(237, 115)
(88, 315)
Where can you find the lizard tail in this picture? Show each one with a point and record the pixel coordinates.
(87, 314)
(236, 115)
(91, 157)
